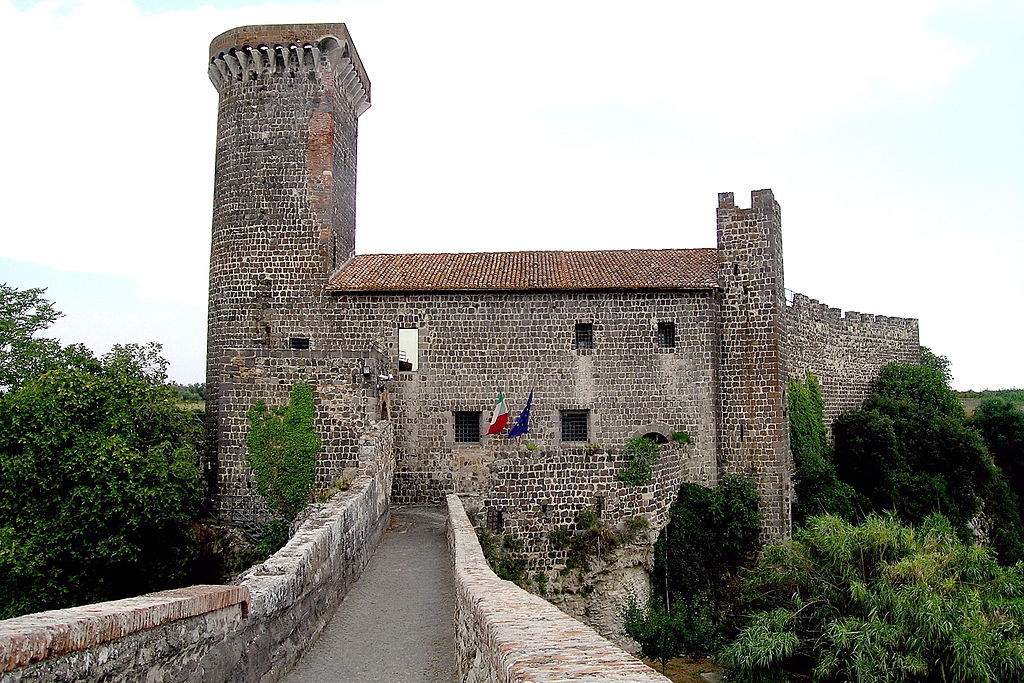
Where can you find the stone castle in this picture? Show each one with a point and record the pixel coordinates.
(614, 344)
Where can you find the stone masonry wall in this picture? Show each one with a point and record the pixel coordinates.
(346, 404)
(251, 632)
(754, 422)
(504, 634)
(537, 493)
(284, 204)
(472, 344)
(845, 351)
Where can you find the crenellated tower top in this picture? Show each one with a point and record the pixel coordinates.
(251, 53)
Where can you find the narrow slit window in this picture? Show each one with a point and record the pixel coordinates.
(408, 349)
(574, 425)
(467, 426)
(666, 335)
(298, 342)
(584, 335)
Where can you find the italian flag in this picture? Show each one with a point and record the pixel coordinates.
(499, 418)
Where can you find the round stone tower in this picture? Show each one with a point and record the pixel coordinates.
(283, 206)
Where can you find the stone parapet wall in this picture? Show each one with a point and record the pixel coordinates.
(253, 631)
(503, 633)
(61, 644)
(845, 351)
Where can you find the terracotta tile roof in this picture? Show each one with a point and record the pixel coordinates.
(531, 270)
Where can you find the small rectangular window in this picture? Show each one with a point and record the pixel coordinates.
(408, 349)
(467, 426)
(298, 342)
(584, 335)
(574, 425)
(495, 520)
(666, 335)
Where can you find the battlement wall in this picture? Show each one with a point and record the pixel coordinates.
(253, 631)
(845, 351)
(504, 634)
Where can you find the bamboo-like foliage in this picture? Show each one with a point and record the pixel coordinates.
(880, 602)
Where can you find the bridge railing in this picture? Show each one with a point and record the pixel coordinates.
(504, 633)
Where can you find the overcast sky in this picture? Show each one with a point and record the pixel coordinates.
(890, 132)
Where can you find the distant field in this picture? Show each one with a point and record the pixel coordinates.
(972, 399)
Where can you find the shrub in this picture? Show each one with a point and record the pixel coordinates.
(643, 452)
(909, 450)
(587, 518)
(560, 538)
(99, 483)
(682, 437)
(711, 533)
(880, 602)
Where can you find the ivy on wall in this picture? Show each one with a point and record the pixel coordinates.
(643, 453)
(283, 447)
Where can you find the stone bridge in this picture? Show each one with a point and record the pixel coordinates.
(421, 610)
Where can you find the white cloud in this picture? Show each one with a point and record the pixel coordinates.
(538, 124)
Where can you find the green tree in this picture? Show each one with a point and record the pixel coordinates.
(711, 533)
(99, 481)
(879, 602)
(909, 450)
(283, 447)
(1001, 425)
(940, 364)
(23, 354)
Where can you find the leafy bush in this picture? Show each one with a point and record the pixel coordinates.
(503, 555)
(274, 536)
(940, 364)
(560, 538)
(910, 450)
(282, 451)
(1001, 425)
(99, 481)
(666, 634)
(643, 453)
(711, 534)
(682, 437)
(880, 602)
(634, 527)
(587, 518)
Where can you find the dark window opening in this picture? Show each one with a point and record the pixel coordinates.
(656, 437)
(495, 521)
(599, 505)
(584, 335)
(574, 425)
(544, 510)
(666, 335)
(467, 426)
(298, 342)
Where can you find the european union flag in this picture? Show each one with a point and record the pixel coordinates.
(522, 425)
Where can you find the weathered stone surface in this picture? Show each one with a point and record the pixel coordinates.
(504, 634)
(845, 351)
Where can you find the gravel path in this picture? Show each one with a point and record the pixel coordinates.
(396, 623)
